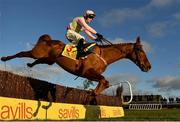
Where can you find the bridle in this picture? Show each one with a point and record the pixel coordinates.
(137, 49)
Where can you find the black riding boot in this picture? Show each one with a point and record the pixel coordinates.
(80, 49)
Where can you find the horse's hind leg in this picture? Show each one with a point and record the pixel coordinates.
(18, 55)
(41, 61)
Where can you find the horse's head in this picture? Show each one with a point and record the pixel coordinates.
(139, 57)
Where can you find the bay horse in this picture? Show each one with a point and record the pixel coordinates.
(49, 51)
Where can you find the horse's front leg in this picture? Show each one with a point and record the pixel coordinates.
(102, 82)
(102, 85)
(41, 61)
(18, 55)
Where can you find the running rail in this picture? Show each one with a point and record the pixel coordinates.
(131, 94)
(130, 90)
(152, 106)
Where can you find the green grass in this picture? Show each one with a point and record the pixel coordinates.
(150, 115)
(146, 115)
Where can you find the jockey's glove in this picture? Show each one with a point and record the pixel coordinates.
(98, 40)
(99, 36)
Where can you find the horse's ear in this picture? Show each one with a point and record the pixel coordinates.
(138, 40)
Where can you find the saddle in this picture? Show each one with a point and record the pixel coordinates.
(71, 51)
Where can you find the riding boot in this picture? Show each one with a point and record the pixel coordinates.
(80, 49)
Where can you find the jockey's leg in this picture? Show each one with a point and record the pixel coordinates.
(77, 40)
(80, 45)
(18, 55)
(80, 48)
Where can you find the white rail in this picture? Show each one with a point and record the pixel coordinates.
(130, 90)
(145, 106)
(131, 94)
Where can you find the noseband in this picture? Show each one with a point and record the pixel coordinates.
(137, 49)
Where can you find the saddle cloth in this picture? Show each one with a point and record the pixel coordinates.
(70, 50)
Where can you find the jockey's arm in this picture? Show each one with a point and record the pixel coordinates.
(89, 34)
(87, 29)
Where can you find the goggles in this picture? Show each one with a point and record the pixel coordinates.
(91, 16)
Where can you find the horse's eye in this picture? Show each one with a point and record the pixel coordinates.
(138, 49)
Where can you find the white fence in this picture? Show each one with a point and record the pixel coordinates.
(145, 106)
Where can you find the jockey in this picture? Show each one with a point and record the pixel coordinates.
(80, 24)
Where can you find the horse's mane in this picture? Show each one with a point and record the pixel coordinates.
(118, 44)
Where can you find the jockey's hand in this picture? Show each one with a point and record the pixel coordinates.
(98, 39)
(99, 36)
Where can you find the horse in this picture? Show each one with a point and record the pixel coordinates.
(49, 51)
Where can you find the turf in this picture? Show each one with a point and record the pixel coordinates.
(152, 115)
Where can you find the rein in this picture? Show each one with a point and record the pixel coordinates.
(105, 41)
(108, 43)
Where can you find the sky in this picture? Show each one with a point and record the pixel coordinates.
(157, 22)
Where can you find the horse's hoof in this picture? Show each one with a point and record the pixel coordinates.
(4, 59)
(29, 65)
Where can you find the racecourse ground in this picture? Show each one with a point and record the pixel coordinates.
(150, 115)
(146, 115)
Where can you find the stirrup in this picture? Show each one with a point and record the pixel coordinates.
(84, 57)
